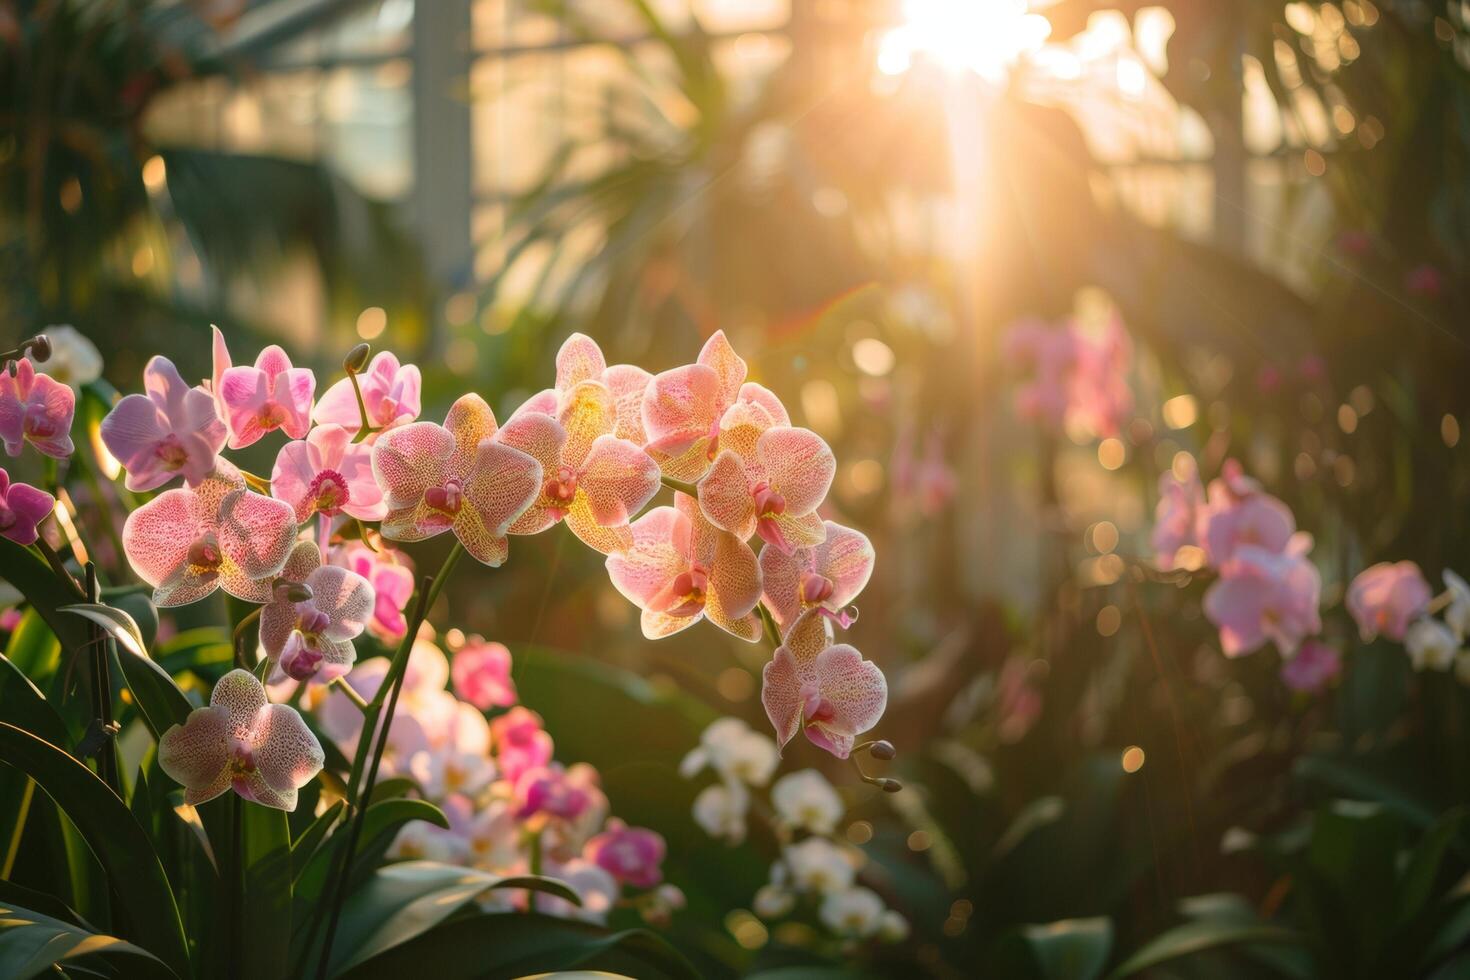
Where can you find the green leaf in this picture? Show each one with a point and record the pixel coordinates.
(122, 847)
(379, 827)
(29, 573)
(119, 624)
(1071, 949)
(1197, 937)
(1416, 887)
(32, 943)
(267, 877)
(160, 702)
(305, 845)
(33, 647)
(491, 945)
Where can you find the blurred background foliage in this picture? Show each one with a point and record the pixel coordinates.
(1275, 199)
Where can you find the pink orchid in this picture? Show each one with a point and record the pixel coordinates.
(683, 408)
(1264, 595)
(1386, 598)
(1101, 399)
(681, 568)
(455, 476)
(1239, 513)
(390, 394)
(22, 508)
(459, 761)
(257, 400)
(481, 673)
(35, 408)
(521, 743)
(549, 791)
(1074, 377)
(771, 488)
(1176, 517)
(188, 542)
(240, 741)
(828, 575)
(328, 474)
(593, 479)
(597, 890)
(630, 854)
(827, 690)
(1312, 668)
(312, 638)
(171, 429)
(579, 360)
(390, 572)
(1047, 354)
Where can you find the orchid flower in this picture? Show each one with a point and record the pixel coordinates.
(171, 429)
(460, 762)
(1311, 668)
(455, 476)
(1240, 513)
(683, 408)
(74, 359)
(390, 395)
(773, 489)
(828, 575)
(521, 743)
(632, 855)
(826, 690)
(37, 409)
(313, 638)
(328, 474)
(481, 674)
(22, 508)
(390, 572)
(1386, 598)
(1263, 595)
(549, 791)
(240, 741)
(1176, 518)
(188, 542)
(257, 400)
(681, 568)
(579, 360)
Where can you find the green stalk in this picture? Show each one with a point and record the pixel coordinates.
(680, 485)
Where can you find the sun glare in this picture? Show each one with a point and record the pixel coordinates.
(985, 37)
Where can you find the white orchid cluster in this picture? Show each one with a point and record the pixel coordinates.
(816, 870)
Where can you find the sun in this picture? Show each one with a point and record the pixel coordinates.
(985, 37)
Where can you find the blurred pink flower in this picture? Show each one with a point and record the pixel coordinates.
(481, 673)
(1424, 280)
(263, 751)
(328, 474)
(1312, 668)
(1386, 598)
(10, 619)
(35, 408)
(171, 429)
(597, 889)
(521, 743)
(1264, 595)
(390, 394)
(920, 486)
(459, 759)
(1240, 513)
(829, 691)
(271, 395)
(1073, 377)
(630, 854)
(455, 476)
(390, 572)
(188, 542)
(828, 575)
(1176, 517)
(682, 568)
(550, 790)
(312, 639)
(1269, 379)
(22, 508)
(1355, 243)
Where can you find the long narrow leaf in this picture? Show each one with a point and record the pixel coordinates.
(32, 943)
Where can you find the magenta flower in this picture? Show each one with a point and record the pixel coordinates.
(828, 576)
(328, 474)
(271, 395)
(681, 568)
(390, 573)
(770, 486)
(390, 393)
(22, 508)
(1312, 668)
(683, 408)
(188, 542)
(313, 638)
(632, 855)
(521, 743)
(1264, 595)
(1386, 598)
(826, 690)
(552, 791)
(481, 674)
(455, 476)
(262, 751)
(1238, 514)
(36, 409)
(171, 429)
(1176, 518)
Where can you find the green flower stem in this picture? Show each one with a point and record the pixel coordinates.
(102, 690)
(768, 623)
(680, 485)
(238, 641)
(365, 429)
(58, 566)
(340, 683)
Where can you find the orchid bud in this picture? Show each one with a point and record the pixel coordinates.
(889, 785)
(40, 346)
(357, 359)
(883, 750)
